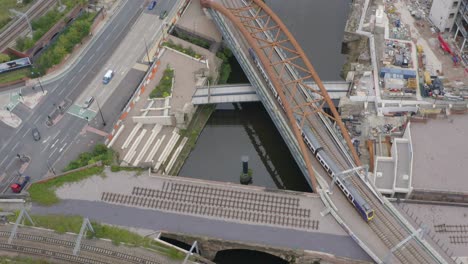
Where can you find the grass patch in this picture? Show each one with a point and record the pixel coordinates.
(14, 75)
(22, 260)
(99, 153)
(44, 193)
(163, 89)
(116, 168)
(189, 51)
(62, 224)
(194, 40)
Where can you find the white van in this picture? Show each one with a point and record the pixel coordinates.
(108, 76)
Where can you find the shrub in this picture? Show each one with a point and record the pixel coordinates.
(99, 153)
(4, 58)
(163, 89)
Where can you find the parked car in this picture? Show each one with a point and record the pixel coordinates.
(36, 135)
(88, 102)
(163, 15)
(151, 5)
(18, 186)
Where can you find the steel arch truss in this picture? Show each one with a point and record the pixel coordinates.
(286, 65)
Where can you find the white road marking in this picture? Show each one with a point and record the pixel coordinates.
(52, 153)
(61, 91)
(3, 160)
(45, 140)
(81, 68)
(54, 143)
(27, 131)
(60, 150)
(15, 145)
(92, 56)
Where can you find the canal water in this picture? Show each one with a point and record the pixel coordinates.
(235, 130)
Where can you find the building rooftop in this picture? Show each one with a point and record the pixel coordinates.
(402, 179)
(440, 154)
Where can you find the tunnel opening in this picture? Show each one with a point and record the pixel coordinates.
(176, 243)
(235, 256)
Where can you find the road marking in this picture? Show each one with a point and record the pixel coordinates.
(61, 149)
(92, 56)
(81, 68)
(3, 160)
(52, 153)
(54, 143)
(35, 122)
(27, 131)
(45, 141)
(45, 148)
(100, 46)
(15, 145)
(56, 135)
(61, 91)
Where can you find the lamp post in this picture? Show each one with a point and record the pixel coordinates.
(38, 79)
(99, 107)
(147, 53)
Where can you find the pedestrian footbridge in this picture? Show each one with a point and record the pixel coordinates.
(241, 93)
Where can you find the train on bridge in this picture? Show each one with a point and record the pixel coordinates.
(364, 209)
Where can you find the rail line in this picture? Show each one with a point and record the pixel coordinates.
(17, 27)
(387, 228)
(69, 244)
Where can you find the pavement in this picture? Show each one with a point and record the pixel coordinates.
(230, 212)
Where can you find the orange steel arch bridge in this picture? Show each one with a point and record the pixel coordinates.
(289, 70)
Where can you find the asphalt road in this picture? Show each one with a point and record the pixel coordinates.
(57, 139)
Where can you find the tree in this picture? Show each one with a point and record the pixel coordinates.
(4, 58)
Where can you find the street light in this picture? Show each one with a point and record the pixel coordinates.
(99, 107)
(38, 79)
(147, 53)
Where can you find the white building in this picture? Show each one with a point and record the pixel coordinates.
(443, 13)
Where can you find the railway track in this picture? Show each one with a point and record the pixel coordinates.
(16, 28)
(48, 254)
(385, 225)
(68, 244)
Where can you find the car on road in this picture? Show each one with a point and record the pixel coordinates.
(108, 76)
(88, 102)
(163, 15)
(36, 135)
(151, 5)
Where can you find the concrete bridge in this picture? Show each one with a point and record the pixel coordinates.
(241, 93)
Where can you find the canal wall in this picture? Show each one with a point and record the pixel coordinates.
(209, 247)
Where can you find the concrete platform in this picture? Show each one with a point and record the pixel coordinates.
(447, 225)
(220, 201)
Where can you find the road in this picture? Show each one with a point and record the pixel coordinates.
(82, 80)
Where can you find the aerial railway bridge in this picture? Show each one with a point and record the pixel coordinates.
(251, 24)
